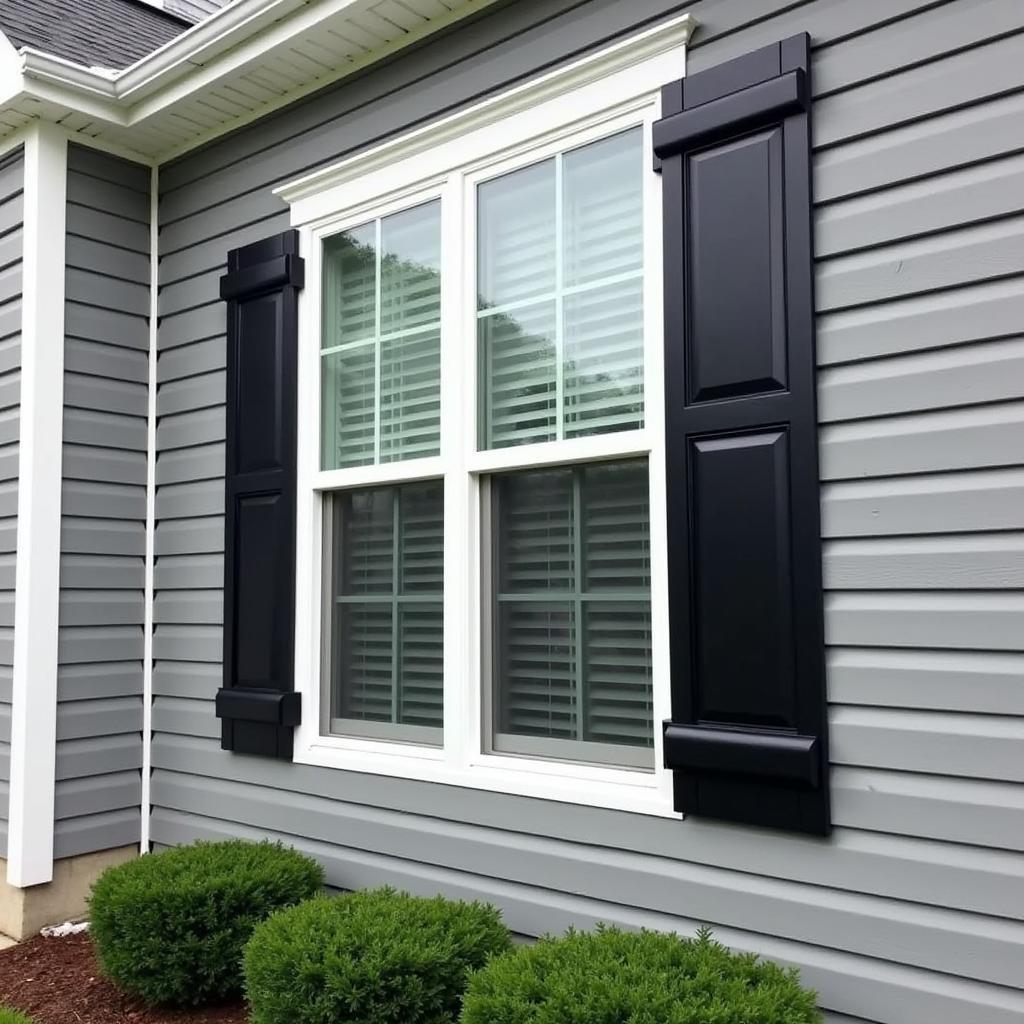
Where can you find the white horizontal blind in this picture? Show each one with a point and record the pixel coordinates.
(573, 661)
(560, 307)
(386, 606)
(381, 340)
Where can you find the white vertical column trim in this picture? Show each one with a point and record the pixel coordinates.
(37, 572)
(150, 592)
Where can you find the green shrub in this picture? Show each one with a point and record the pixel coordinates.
(171, 926)
(13, 1017)
(634, 978)
(371, 957)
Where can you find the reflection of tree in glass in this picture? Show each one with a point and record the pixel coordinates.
(517, 355)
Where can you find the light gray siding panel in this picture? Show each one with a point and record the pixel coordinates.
(97, 794)
(188, 572)
(975, 681)
(955, 619)
(964, 811)
(922, 207)
(81, 572)
(99, 714)
(936, 503)
(990, 435)
(915, 92)
(114, 364)
(185, 361)
(914, 909)
(11, 190)
(941, 261)
(105, 831)
(979, 562)
(941, 379)
(86, 499)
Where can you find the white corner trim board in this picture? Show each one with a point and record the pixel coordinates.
(150, 593)
(37, 572)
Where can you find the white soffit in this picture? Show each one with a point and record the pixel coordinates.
(242, 62)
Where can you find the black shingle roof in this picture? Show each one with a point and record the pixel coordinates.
(104, 33)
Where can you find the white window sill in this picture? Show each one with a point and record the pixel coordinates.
(586, 785)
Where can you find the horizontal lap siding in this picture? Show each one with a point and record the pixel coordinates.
(102, 576)
(914, 909)
(11, 186)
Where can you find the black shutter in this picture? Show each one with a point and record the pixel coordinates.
(748, 736)
(258, 707)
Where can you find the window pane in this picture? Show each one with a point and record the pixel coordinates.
(536, 531)
(348, 396)
(517, 352)
(410, 395)
(571, 636)
(515, 228)
(381, 342)
(604, 359)
(386, 612)
(350, 286)
(537, 670)
(411, 268)
(616, 527)
(560, 296)
(602, 190)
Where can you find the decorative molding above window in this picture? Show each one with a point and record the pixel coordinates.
(637, 65)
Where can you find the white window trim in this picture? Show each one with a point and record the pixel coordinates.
(603, 93)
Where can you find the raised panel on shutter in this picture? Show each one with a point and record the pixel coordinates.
(736, 344)
(257, 705)
(748, 735)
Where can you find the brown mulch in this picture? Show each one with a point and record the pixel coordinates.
(57, 981)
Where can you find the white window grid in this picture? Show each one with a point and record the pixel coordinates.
(464, 759)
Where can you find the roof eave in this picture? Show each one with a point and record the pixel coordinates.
(232, 41)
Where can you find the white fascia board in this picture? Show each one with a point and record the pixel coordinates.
(37, 566)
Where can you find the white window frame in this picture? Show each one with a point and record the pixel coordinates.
(595, 97)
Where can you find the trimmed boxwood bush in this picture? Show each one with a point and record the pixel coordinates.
(13, 1017)
(171, 926)
(371, 957)
(615, 977)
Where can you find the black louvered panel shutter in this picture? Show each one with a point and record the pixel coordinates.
(257, 706)
(748, 736)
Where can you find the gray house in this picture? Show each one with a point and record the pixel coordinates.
(568, 453)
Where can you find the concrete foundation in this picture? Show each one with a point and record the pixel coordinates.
(24, 911)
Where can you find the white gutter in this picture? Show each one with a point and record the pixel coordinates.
(229, 43)
(214, 36)
(194, 48)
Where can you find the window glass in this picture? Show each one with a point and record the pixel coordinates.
(381, 340)
(571, 635)
(560, 301)
(384, 611)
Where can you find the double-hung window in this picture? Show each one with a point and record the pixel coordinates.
(482, 588)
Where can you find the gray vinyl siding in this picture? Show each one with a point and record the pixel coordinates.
(11, 186)
(103, 513)
(914, 909)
